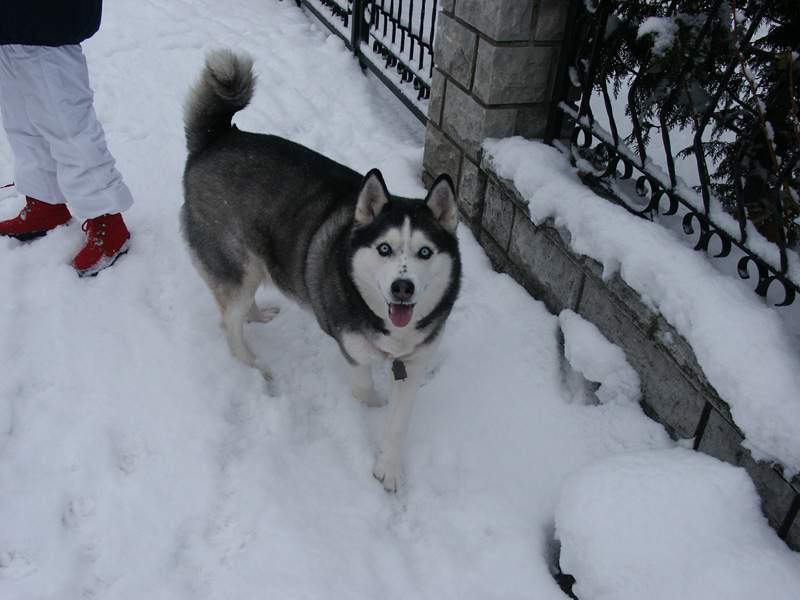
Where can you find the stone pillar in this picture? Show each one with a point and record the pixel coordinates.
(496, 62)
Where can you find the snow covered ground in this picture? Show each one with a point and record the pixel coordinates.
(670, 524)
(138, 459)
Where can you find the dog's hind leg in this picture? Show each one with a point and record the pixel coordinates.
(262, 315)
(236, 303)
(234, 312)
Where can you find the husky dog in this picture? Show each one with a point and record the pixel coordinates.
(379, 272)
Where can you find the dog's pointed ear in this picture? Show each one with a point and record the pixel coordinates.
(372, 197)
(441, 200)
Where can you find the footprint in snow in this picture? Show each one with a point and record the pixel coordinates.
(75, 511)
(15, 565)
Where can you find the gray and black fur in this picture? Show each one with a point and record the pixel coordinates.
(252, 195)
(261, 208)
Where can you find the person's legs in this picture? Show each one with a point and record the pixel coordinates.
(59, 104)
(54, 84)
(35, 170)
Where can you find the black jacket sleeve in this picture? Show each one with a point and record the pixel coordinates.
(48, 22)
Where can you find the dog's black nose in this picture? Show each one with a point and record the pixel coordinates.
(402, 289)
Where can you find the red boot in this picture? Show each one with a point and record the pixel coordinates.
(35, 219)
(106, 240)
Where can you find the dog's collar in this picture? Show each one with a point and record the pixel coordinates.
(399, 370)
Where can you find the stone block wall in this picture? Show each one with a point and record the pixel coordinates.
(497, 65)
(495, 71)
(675, 392)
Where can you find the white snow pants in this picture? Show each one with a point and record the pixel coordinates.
(60, 152)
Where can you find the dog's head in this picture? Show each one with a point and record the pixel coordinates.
(405, 261)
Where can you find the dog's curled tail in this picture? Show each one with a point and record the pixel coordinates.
(225, 87)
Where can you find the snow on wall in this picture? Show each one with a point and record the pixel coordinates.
(725, 323)
(598, 360)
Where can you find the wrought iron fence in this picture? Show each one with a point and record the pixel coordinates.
(721, 79)
(392, 38)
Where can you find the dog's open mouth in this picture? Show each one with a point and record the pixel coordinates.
(400, 314)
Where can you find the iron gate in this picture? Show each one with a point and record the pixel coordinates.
(392, 38)
(708, 77)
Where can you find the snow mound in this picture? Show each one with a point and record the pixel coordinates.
(598, 360)
(725, 323)
(669, 524)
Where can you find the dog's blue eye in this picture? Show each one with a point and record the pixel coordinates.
(384, 249)
(425, 253)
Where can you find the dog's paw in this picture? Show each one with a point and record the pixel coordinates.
(368, 397)
(263, 315)
(262, 368)
(272, 387)
(389, 471)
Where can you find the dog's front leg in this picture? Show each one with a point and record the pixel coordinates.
(363, 387)
(389, 465)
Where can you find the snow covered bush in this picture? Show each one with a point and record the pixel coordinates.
(728, 70)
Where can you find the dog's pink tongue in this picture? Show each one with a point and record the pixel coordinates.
(400, 314)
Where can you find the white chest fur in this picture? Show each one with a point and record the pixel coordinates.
(399, 344)
(369, 349)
